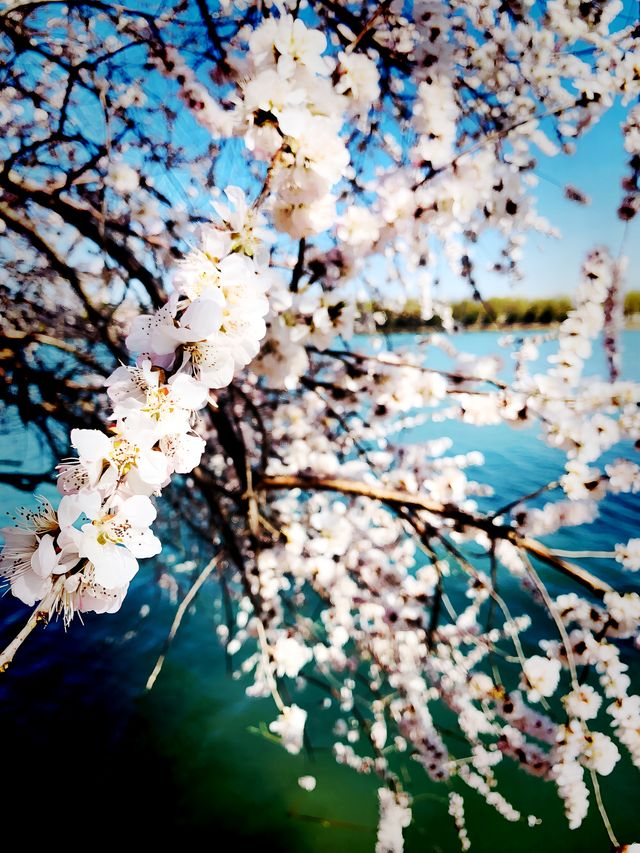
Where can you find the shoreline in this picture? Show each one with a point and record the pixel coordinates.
(630, 326)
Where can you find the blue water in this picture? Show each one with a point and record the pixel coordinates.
(85, 748)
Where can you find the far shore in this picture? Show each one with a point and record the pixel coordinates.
(495, 314)
(629, 326)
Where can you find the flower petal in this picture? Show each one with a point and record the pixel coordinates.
(137, 511)
(114, 566)
(91, 444)
(142, 543)
(44, 559)
(29, 587)
(72, 506)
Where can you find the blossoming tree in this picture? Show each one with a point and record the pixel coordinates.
(194, 343)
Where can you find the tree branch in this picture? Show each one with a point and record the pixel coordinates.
(394, 497)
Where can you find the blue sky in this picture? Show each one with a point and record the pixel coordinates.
(552, 266)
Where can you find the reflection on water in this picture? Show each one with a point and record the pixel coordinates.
(86, 752)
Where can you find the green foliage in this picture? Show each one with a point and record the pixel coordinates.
(632, 303)
(502, 311)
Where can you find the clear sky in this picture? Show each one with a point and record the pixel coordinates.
(552, 266)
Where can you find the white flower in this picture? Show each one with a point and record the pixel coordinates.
(435, 116)
(29, 587)
(269, 92)
(183, 451)
(293, 43)
(212, 362)
(600, 754)
(31, 581)
(17, 551)
(629, 555)
(122, 177)
(112, 539)
(358, 78)
(624, 611)
(198, 272)
(29, 557)
(624, 476)
(91, 597)
(307, 783)
(395, 815)
(245, 225)
(103, 462)
(132, 383)
(282, 359)
(580, 481)
(541, 677)
(93, 448)
(358, 227)
(166, 409)
(161, 333)
(456, 810)
(300, 213)
(290, 726)
(222, 326)
(319, 149)
(379, 733)
(583, 702)
(290, 656)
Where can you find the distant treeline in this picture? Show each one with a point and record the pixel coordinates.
(499, 310)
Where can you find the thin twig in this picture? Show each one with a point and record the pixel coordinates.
(600, 555)
(182, 609)
(548, 487)
(266, 665)
(382, 7)
(603, 811)
(361, 357)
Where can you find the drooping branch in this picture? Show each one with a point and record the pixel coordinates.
(394, 497)
(175, 625)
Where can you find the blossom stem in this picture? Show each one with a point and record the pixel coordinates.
(602, 810)
(40, 614)
(266, 662)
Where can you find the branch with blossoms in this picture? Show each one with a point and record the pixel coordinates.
(192, 347)
(352, 555)
(211, 326)
(452, 514)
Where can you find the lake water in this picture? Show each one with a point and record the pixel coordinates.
(88, 755)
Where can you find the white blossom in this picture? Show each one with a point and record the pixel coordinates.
(541, 676)
(290, 727)
(307, 783)
(629, 555)
(395, 815)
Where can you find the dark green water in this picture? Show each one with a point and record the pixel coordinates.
(88, 756)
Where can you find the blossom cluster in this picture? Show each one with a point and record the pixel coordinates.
(210, 327)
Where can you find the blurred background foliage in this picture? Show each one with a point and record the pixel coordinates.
(496, 312)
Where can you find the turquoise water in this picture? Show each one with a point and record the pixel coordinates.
(85, 748)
